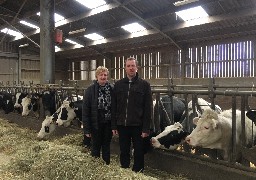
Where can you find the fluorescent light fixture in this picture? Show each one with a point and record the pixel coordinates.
(133, 27)
(91, 4)
(12, 32)
(29, 24)
(94, 36)
(192, 13)
(23, 45)
(72, 42)
(76, 31)
(57, 49)
(180, 3)
(57, 17)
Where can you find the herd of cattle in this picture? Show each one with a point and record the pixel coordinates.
(194, 123)
(30, 103)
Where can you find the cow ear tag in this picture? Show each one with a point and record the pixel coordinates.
(46, 128)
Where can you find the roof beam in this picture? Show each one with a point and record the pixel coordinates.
(92, 12)
(210, 19)
(150, 24)
(172, 9)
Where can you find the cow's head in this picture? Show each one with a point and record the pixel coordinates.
(170, 138)
(26, 106)
(48, 126)
(207, 130)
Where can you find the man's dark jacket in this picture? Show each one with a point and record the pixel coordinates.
(131, 104)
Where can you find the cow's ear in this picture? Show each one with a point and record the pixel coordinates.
(195, 120)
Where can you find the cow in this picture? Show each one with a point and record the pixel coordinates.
(48, 126)
(166, 116)
(251, 114)
(19, 96)
(49, 102)
(6, 102)
(170, 138)
(31, 103)
(214, 131)
(66, 113)
(199, 107)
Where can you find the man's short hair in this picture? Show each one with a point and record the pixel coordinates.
(131, 59)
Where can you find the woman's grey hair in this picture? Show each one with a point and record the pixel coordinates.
(101, 69)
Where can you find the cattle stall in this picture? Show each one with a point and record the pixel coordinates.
(182, 161)
(226, 97)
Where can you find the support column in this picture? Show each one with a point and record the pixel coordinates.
(19, 67)
(47, 49)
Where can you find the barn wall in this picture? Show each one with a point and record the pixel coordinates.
(8, 58)
(30, 68)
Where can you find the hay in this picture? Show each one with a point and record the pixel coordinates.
(62, 159)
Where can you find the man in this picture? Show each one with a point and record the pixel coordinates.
(131, 114)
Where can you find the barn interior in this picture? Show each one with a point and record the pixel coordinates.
(199, 54)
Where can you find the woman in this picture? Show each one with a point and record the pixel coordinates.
(96, 114)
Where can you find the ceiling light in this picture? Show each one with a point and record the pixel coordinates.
(76, 31)
(57, 49)
(72, 42)
(192, 13)
(23, 45)
(91, 4)
(29, 24)
(12, 32)
(134, 27)
(94, 36)
(180, 3)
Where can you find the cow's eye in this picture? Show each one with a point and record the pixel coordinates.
(206, 127)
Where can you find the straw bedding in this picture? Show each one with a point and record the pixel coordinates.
(26, 158)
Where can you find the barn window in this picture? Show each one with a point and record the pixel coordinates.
(221, 60)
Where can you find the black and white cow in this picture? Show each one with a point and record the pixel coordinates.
(251, 114)
(170, 138)
(31, 103)
(63, 116)
(164, 115)
(173, 135)
(49, 102)
(6, 102)
(18, 99)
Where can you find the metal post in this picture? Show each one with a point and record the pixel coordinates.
(47, 50)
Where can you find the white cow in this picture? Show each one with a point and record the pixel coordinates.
(203, 104)
(214, 131)
(200, 106)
